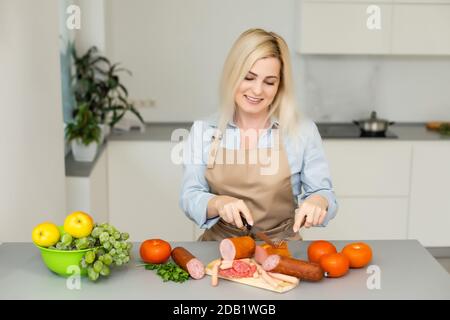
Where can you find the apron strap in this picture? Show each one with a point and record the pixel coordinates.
(216, 138)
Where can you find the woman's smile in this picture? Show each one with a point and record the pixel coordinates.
(252, 100)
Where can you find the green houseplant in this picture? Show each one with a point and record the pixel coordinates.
(97, 83)
(84, 134)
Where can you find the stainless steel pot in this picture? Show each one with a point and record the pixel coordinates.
(373, 124)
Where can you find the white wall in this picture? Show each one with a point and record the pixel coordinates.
(31, 142)
(92, 29)
(176, 50)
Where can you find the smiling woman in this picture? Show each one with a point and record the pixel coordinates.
(258, 115)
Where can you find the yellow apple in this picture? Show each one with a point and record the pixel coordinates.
(45, 234)
(78, 224)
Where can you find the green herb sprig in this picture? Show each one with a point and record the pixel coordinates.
(168, 271)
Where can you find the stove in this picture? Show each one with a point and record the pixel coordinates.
(350, 130)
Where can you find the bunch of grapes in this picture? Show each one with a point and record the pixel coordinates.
(67, 242)
(111, 248)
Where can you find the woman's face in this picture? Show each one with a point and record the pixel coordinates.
(259, 87)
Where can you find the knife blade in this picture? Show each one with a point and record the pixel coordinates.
(257, 232)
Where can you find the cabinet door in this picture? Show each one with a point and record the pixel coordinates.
(369, 168)
(364, 219)
(421, 28)
(429, 220)
(144, 187)
(341, 28)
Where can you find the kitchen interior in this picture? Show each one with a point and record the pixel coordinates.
(380, 96)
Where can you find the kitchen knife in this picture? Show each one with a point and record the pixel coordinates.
(257, 232)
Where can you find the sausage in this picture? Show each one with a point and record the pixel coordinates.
(293, 267)
(188, 262)
(215, 274)
(268, 279)
(226, 264)
(284, 277)
(260, 254)
(237, 248)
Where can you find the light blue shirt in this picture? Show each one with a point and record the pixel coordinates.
(309, 168)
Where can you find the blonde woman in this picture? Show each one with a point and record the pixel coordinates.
(251, 162)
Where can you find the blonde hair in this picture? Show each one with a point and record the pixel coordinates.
(252, 45)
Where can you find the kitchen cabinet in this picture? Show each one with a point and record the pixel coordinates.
(90, 194)
(429, 216)
(369, 168)
(365, 219)
(371, 180)
(144, 189)
(407, 27)
(421, 28)
(341, 28)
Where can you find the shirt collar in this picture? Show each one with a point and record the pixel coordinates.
(274, 123)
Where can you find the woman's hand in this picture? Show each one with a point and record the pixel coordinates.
(311, 212)
(229, 209)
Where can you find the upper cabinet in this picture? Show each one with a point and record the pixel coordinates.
(420, 27)
(341, 28)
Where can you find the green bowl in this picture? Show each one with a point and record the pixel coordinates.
(64, 262)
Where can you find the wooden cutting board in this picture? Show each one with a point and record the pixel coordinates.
(254, 282)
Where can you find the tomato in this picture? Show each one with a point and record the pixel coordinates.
(319, 248)
(334, 264)
(359, 254)
(155, 251)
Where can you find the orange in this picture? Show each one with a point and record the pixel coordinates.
(359, 254)
(335, 265)
(319, 248)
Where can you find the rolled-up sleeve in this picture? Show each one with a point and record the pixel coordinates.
(195, 193)
(315, 174)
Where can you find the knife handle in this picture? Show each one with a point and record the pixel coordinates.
(245, 223)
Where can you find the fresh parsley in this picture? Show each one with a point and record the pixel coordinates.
(168, 271)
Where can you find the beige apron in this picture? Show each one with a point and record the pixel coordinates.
(268, 197)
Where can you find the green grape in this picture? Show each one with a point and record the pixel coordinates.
(107, 245)
(119, 251)
(105, 271)
(112, 241)
(93, 275)
(66, 239)
(90, 257)
(104, 236)
(116, 235)
(124, 246)
(129, 246)
(101, 258)
(96, 232)
(124, 236)
(119, 262)
(59, 246)
(122, 256)
(109, 229)
(107, 259)
(98, 265)
(117, 245)
(126, 259)
(81, 243)
(100, 251)
(112, 252)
